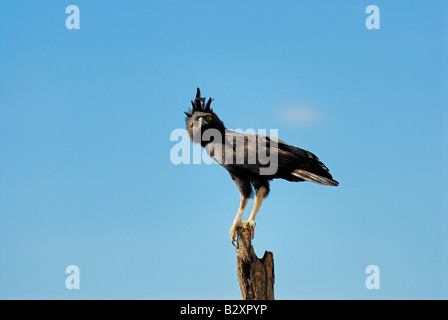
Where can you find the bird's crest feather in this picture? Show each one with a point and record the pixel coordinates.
(199, 104)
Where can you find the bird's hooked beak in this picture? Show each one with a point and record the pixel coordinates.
(200, 122)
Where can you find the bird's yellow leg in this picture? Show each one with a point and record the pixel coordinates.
(250, 223)
(237, 220)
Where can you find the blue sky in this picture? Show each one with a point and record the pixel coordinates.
(85, 123)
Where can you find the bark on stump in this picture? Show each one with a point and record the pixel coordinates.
(255, 276)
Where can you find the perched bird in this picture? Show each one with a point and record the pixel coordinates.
(252, 160)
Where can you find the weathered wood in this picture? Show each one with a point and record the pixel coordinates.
(255, 276)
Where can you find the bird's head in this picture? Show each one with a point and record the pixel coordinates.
(201, 118)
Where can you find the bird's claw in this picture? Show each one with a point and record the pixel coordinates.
(249, 225)
(233, 233)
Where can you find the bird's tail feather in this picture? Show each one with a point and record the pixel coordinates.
(306, 175)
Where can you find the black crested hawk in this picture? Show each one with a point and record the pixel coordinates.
(251, 159)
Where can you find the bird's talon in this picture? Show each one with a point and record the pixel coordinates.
(248, 225)
(233, 233)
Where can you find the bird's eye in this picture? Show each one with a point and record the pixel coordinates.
(208, 118)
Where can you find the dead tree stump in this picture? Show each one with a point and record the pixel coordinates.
(255, 276)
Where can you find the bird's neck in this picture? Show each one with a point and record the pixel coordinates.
(215, 135)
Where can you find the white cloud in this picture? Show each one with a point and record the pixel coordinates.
(301, 114)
